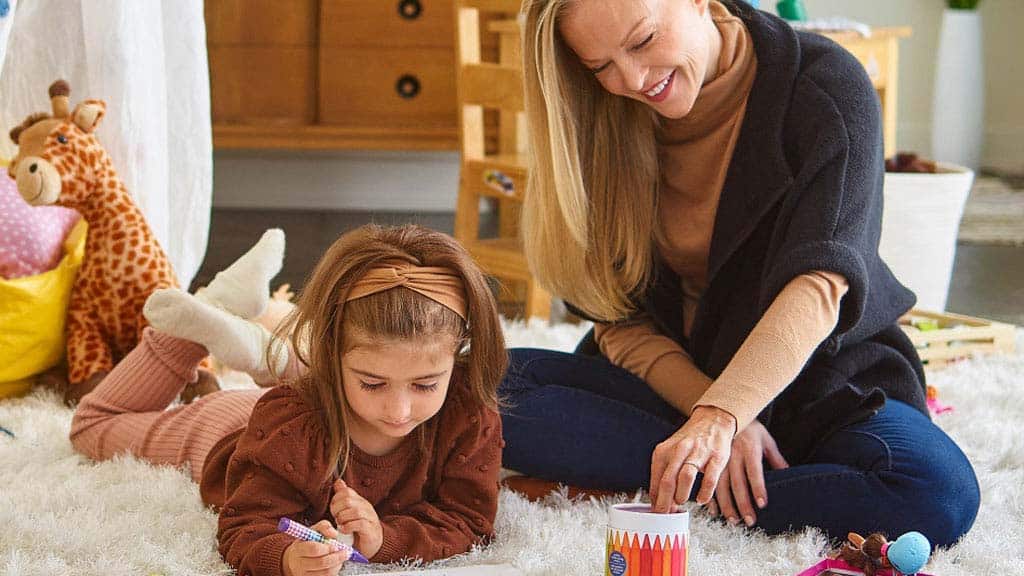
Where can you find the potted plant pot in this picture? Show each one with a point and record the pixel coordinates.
(920, 221)
(958, 105)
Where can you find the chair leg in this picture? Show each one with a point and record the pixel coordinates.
(508, 218)
(538, 301)
(467, 216)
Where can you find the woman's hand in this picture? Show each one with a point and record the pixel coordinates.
(314, 558)
(745, 475)
(702, 445)
(355, 515)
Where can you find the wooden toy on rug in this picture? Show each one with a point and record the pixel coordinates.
(943, 337)
(60, 161)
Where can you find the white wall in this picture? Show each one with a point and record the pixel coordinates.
(396, 181)
(1003, 25)
(1004, 51)
(428, 181)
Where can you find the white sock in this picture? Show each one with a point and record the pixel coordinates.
(238, 343)
(243, 288)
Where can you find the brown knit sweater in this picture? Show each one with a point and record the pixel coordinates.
(433, 501)
(694, 155)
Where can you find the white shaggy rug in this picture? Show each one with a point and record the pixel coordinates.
(62, 514)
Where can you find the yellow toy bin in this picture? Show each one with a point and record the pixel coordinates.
(33, 312)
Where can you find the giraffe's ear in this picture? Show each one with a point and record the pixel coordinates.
(87, 115)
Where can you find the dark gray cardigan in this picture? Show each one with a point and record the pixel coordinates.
(803, 192)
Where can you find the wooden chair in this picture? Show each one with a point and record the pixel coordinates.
(493, 165)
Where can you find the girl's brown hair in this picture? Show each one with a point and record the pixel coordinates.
(323, 316)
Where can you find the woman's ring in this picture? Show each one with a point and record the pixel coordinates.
(694, 464)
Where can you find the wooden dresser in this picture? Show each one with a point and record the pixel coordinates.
(332, 74)
(378, 74)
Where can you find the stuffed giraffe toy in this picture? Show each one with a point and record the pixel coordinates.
(60, 161)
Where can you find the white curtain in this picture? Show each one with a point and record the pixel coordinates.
(7, 148)
(147, 61)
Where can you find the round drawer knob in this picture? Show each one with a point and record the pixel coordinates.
(408, 86)
(410, 9)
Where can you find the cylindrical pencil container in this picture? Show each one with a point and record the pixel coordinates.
(641, 542)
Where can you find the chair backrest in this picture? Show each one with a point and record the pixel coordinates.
(493, 170)
(495, 85)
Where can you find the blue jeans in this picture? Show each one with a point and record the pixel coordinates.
(586, 422)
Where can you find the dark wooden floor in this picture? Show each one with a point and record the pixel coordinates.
(988, 281)
(308, 234)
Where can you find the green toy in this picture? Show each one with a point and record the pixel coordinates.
(791, 10)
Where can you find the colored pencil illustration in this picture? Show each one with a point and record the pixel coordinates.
(645, 557)
(677, 556)
(666, 566)
(686, 554)
(635, 557)
(657, 558)
(608, 549)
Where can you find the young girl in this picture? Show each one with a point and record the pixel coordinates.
(385, 423)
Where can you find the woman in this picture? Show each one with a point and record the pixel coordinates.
(713, 182)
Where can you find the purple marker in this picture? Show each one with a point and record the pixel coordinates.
(301, 532)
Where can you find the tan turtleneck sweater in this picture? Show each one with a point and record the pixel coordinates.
(694, 154)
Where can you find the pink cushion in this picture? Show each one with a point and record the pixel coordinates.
(31, 237)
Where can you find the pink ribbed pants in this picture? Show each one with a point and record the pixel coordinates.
(127, 413)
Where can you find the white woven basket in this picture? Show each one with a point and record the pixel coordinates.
(919, 229)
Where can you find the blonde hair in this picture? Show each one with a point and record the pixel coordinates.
(323, 318)
(590, 216)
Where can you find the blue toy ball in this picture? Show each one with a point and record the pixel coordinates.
(909, 553)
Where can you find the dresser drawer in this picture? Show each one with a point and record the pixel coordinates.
(379, 23)
(264, 22)
(251, 84)
(387, 87)
(874, 56)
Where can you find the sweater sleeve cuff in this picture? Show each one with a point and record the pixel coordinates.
(390, 548)
(270, 557)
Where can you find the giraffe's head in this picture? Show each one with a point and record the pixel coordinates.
(58, 157)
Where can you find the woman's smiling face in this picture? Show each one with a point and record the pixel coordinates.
(654, 51)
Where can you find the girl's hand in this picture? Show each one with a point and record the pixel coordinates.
(703, 445)
(745, 474)
(314, 558)
(355, 515)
